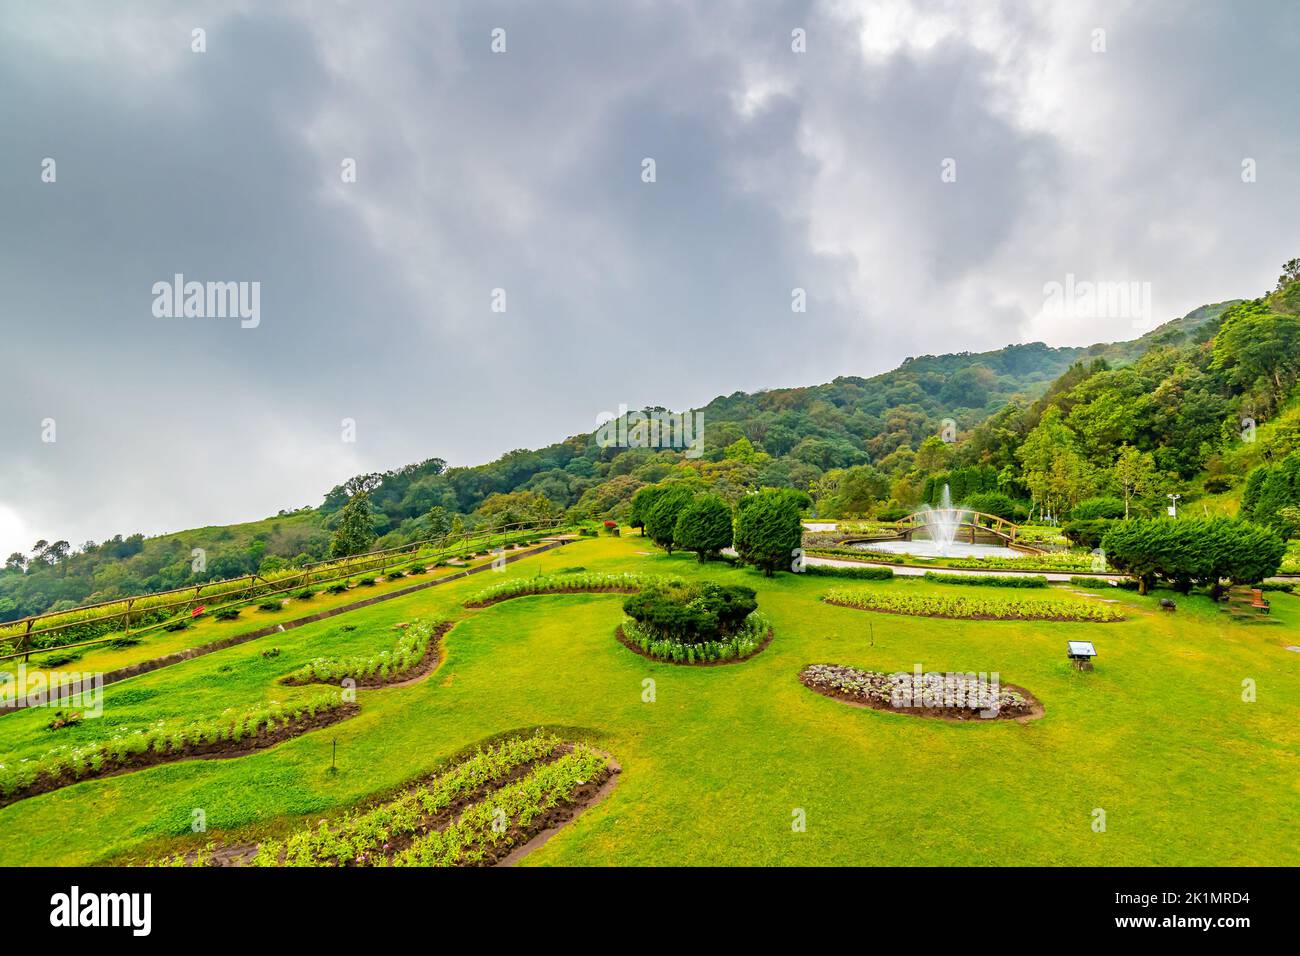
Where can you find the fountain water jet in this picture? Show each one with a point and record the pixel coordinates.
(943, 522)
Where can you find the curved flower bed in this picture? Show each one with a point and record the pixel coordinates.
(965, 607)
(593, 582)
(754, 636)
(1053, 561)
(415, 654)
(227, 735)
(957, 696)
(477, 813)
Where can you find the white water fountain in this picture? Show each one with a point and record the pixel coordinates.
(943, 522)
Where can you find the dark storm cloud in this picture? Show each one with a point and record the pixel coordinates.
(522, 170)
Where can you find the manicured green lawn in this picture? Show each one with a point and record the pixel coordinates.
(715, 767)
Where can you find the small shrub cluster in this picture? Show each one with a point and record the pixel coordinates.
(976, 608)
(61, 659)
(691, 613)
(988, 580)
(866, 573)
(1093, 584)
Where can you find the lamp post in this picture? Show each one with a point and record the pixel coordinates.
(1173, 505)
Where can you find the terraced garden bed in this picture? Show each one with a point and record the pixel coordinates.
(227, 735)
(415, 655)
(482, 811)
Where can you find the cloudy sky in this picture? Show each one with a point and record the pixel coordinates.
(1101, 141)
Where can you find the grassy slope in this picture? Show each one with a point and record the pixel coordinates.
(1157, 736)
(206, 629)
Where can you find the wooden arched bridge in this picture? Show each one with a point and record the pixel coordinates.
(969, 526)
(967, 520)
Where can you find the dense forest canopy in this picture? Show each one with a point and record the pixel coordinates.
(1204, 406)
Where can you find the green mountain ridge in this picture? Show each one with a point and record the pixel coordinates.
(1039, 425)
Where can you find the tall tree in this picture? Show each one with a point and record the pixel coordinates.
(1135, 473)
(354, 532)
(704, 526)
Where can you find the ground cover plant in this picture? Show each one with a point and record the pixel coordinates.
(972, 608)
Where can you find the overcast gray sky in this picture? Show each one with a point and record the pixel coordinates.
(522, 170)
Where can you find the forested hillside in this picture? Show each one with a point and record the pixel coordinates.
(1204, 407)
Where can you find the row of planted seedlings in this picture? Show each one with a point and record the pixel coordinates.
(416, 650)
(624, 582)
(98, 623)
(971, 607)
(473, 813)
(230, 732)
